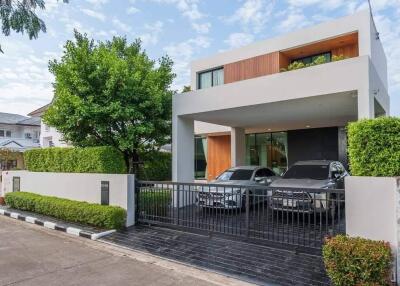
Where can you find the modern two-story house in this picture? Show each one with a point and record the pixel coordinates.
(281, 100)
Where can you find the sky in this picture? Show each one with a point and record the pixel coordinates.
(182, 29)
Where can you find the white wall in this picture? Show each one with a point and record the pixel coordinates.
(373, 209)
(75, 186)
(48, 133)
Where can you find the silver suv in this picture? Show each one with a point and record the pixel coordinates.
(290, 192)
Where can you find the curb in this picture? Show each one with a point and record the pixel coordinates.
(51, 225)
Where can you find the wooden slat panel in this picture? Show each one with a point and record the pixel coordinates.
(218, 155)
(252, 67)
(349, 51)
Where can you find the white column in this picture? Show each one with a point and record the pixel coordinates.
(365, 102)
(182, 149)
(238, 146)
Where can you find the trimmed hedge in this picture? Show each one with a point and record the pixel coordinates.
(75, 160)
(109, 217)
(374, 147)
(157, 167)
(357, 261)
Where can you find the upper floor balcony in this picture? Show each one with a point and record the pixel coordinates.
(321, 52)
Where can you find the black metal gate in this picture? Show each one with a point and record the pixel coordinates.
(301, 217)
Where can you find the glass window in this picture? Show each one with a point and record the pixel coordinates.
(205, 80)
(314, 172)
(268, 150)
(218, 77)
(1, 133)
(8, 133)
(211, 78)
(200, 160)
(28, 136)
(311, 59)
(251, 150)
(279, 152)
(235, 175)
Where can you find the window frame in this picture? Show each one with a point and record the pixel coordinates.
(212, 76)
(8, 132)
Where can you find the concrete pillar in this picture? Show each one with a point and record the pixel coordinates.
(182, 149)
(238, 146)
(365, 102)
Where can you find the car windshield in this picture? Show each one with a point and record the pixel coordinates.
(235, 175)
(314, 172)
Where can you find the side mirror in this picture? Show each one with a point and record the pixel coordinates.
(258, 179)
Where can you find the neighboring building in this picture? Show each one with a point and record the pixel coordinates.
(244, 110)
(17, 134)
(49, 136)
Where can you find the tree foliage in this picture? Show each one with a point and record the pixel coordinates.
(21, 17)
(111, 93)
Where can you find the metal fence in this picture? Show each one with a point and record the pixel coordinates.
(294, 216)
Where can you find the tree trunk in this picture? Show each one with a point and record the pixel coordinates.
(132, 162)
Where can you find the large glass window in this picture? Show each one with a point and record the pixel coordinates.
(211, 78)
(311, 59)
(279, 152)
(200, 157)
(267, 149)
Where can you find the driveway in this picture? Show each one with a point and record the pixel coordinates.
(30, 255)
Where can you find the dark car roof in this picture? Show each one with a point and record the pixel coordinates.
(314, 162)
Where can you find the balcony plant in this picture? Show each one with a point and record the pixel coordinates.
(318, 61)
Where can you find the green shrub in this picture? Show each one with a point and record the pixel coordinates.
(374, 147)
(357, 261)
(157, 167)
(155, 201)
(109, 217)
(75, 160)
(318, 61)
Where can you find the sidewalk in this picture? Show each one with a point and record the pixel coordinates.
(35, 256)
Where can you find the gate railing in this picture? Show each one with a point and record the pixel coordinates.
(296, 216)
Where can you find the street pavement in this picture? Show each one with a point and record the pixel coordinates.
(30, 255)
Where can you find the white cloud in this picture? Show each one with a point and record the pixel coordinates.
(132, 10)
(253, 13)
(203, 28)
(120, 25)
(152, 33)
(190, 10)
(237, 40)
(293, 20)
(97, 3)
(94, 14)
(182, 54)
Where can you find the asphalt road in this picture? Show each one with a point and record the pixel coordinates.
(30, 255)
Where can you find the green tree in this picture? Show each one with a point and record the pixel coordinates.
(111, 93)
(21, 17)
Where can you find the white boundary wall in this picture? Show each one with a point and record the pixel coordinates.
(77, 186)
(373, 210)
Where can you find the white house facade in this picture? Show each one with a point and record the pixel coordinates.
(49, 136)
(245, 107)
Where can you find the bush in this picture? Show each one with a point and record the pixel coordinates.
(155, 201)
(109, 217)
(357, 261)
(75, 160)
(374, 147)
(157, 167)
